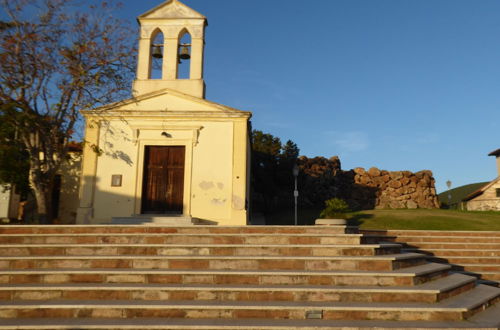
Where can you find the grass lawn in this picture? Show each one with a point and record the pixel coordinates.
(427, 220)
(419, 219)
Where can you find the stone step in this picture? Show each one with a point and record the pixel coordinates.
(198, 249)
(456, 309)
(429, 292)
(402, 277)
(121, 229)
(134, 261)
(142, 238)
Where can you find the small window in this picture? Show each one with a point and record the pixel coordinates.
(498, 192)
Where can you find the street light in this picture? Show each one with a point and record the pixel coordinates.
(296, 192)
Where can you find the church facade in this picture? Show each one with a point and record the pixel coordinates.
(167, 152)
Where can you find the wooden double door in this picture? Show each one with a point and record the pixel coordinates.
(163, 185)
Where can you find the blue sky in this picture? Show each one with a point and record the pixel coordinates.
(396, 84)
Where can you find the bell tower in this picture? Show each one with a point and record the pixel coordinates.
(171, 35)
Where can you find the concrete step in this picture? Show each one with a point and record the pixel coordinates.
(198, 249)
(402, 277)
(240, 324)
(208, 238)
(429, 292)
(136, 229)
(456, 309)
(133, 261)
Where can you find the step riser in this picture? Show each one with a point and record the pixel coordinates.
(186, 240)
(223, 313)
(437, 240)
(457, 253)
(221, 264)
(477, 269)
(424, 234)
(222, 279)
(461, 246)
(459, 260)
(197, 230)
(196, 251)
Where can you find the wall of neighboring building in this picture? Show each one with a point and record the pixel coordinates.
(9, 203)
(4, 203)
(70, 181)
(487, 201)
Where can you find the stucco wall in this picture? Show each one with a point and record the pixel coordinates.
(208, 167)
(212, 172)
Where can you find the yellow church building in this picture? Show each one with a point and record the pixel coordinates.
(167, 155)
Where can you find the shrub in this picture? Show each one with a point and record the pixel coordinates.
(335, 208)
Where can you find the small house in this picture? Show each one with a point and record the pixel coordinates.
(487, 198)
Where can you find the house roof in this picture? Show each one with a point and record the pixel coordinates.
(495, 153)
(481, 190)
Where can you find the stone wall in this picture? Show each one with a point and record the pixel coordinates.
(323, 178)
(400, 189)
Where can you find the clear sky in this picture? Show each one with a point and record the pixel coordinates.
(396, 84)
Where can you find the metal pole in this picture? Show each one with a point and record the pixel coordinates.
(295, 195)
(295, 172)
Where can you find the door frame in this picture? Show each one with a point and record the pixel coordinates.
(188, 145)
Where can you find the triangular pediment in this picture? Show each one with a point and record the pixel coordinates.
(171, 9)
(168, 101)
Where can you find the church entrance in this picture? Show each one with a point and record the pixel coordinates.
(163, 182)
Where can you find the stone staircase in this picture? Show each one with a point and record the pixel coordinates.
(471, 253)
(208, 277)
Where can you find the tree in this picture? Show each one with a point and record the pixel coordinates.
(57, 58)
(272, 165)
(290, 151)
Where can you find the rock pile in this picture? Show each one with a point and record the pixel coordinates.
(396, 190)
(323, 178)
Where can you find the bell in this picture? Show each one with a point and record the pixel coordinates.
(157, 53)
(184, 53)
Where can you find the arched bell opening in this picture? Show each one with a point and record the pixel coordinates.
(157, 53)
(184, 55)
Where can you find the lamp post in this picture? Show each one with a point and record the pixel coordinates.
(296, 192)
(448, 184)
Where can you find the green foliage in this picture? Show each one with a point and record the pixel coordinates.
(290, 150)
(14, 160)
(335, 208)
(266, 143)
